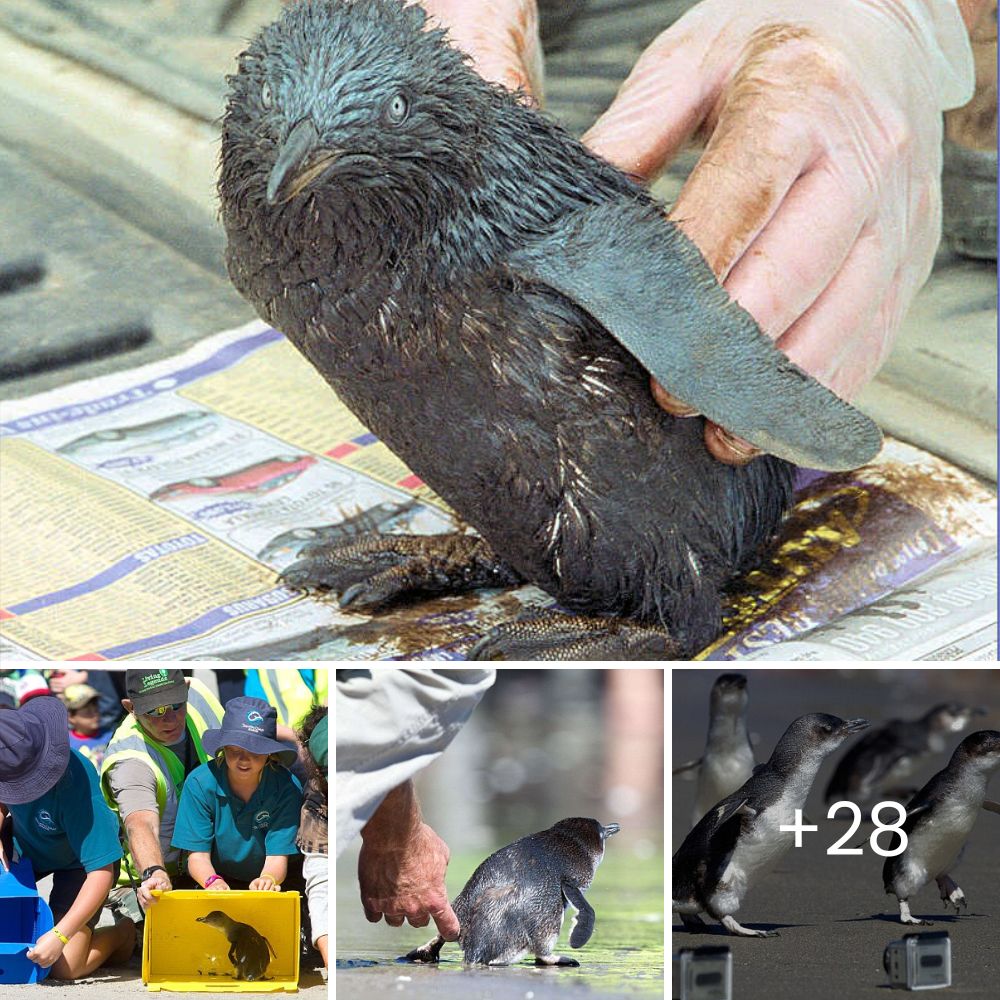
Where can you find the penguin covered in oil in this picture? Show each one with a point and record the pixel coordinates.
(515, 900)
(490, 299)
(249, 951)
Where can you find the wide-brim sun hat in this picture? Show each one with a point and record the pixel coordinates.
(34, 749)
(250, 724)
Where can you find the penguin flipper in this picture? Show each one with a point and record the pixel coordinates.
(649, 286)
(687, 768)
(584, 915)
(993, 807)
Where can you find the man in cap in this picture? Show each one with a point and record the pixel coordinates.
(62, 826)
(149, 757)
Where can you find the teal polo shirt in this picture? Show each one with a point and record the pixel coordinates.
(70, 826)
(239, 835)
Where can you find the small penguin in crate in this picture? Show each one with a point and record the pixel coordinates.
(249, 951)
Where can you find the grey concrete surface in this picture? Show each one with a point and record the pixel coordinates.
(832, 914)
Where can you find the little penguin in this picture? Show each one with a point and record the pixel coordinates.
(889, 754)
(939, 819)
(515, 901)
(728, 758)
(735, 843)
(490, 299)
(249, 951)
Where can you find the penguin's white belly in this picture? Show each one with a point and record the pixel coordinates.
(759, 846)
(720, 775)
(934, 846)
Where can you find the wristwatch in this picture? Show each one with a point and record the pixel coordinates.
(154, 868)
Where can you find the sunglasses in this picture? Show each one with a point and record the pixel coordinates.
(162, 710)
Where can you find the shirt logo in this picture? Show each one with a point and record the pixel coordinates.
(262, 821)
(44, 821)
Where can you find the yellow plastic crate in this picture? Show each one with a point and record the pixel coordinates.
(181, 954)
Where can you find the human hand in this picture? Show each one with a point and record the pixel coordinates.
(63, 679)
(46, 950)
(265, 883)
(219, 885)
(817, 199)
(405, 880)
(158, 880)
(501, 36)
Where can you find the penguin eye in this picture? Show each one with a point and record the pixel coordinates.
(266, 98)
(397, 109)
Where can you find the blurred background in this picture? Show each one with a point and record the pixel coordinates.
(543, 745)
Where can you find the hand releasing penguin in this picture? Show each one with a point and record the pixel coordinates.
(515, 901)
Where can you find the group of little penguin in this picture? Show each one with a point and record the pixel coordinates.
(740, 807)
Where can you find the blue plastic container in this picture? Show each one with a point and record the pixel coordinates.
(24, 918)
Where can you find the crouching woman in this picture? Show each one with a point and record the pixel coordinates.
(238, 813)
(63, 826)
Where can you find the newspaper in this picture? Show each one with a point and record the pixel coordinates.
(148, 514)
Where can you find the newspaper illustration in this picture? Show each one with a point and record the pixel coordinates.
(148, 514)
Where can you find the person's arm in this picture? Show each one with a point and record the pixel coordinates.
(200, 868)
(402, 866)
(272, 873)
(93, 892)
(142, 828)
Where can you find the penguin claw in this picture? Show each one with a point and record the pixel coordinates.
(551, 960)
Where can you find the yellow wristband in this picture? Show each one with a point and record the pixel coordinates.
(270, 876)
(59, 934)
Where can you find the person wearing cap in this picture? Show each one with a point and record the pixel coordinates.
(62, 825)
(152, 753)
(239, 812)
(85, 735)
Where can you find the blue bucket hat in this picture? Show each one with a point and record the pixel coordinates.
(34, 749)
(251, 725)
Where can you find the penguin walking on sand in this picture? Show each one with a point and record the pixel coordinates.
(889, 754)
(728, 758)
(249, 951)
(738, 840)
(939, 819)
(515, 901)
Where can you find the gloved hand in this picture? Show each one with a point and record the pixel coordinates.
(817, 199)
(500, 35)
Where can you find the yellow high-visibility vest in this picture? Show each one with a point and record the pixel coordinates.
(132, 742)
(291, 697)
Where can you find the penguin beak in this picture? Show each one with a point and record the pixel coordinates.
(610, 829)
(856, 725)
(300, 161)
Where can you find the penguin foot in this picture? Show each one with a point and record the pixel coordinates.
(428, 953)
(556, 960)
(551, 635)
(905, 917)
(733, 927)
(951, 892)
(376, 570)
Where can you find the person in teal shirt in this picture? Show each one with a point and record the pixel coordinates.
(239, 813)
(62, 824)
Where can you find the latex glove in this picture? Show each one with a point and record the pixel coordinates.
(501, 36)
(817, 199)
(46, 950)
